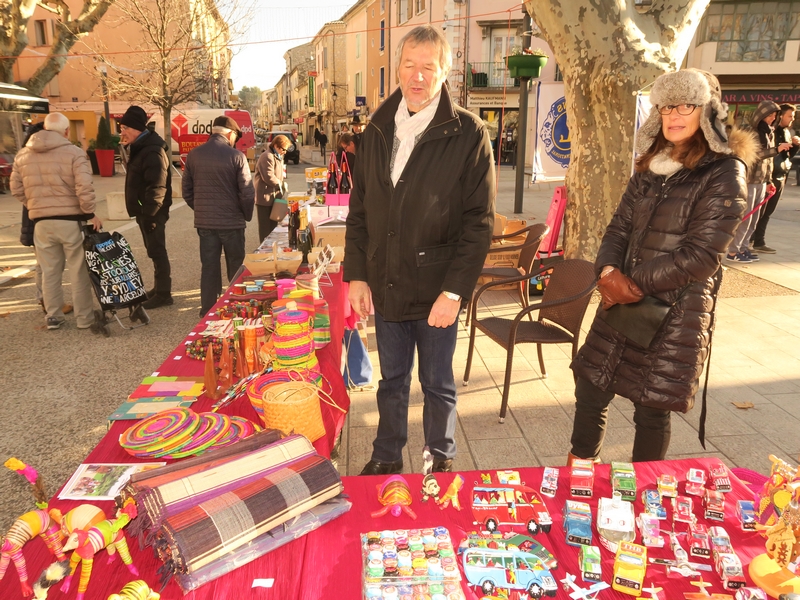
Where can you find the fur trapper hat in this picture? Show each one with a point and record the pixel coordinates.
(688, 86)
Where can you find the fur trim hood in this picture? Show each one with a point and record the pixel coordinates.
(745, 145)
(688, 86)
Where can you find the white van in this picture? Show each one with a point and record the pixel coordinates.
(192, 128)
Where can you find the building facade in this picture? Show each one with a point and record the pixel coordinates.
(330, 51)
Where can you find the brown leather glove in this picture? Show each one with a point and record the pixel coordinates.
(618, 288)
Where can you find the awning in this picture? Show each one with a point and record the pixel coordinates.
(17, 99)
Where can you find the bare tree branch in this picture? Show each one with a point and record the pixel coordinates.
(14, 15)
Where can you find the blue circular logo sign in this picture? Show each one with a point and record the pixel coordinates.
(555, 133)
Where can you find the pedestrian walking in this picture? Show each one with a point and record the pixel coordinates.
(53, 180)
(218, 188)
(270, 183)
(660, 255)
(418, 231)
(148, 196)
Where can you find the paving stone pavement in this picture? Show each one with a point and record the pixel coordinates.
(60, 386)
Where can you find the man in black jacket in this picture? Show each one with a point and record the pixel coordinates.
(148, 196)
(418, 231)
(217, 187)
(781, 167)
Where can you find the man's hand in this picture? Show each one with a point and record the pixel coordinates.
(771, 189)
(360, 298)
(784, 147)
(617, 288)
(444, 312)
(97, 223)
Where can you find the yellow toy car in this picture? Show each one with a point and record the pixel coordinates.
(629, 567)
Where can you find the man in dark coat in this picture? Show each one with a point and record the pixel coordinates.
(148, 196)
(218, 187)
(418, 231)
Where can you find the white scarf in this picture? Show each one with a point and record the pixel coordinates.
(406, 129)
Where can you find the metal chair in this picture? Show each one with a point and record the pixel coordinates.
(534, 234)
(561, 311)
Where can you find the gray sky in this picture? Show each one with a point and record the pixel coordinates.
(276, 26)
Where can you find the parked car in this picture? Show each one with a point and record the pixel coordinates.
(293, 153)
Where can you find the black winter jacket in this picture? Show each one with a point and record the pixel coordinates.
(782, 163)
(668, 235)
(217, 185)
(148, 182)
(431, 232)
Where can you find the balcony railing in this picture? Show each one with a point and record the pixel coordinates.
(489, 74)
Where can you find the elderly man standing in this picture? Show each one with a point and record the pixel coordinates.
(217, 186)
(53, 179)
(418, 231)
(148, 196)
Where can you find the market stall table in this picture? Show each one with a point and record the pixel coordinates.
(326, 563)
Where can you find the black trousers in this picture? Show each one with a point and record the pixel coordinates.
(265, 224)
(650, 442)
(766, 211)
(155, 241)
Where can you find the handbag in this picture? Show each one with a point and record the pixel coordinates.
(280, 208)
(640, 321)
(357, 367)
(113, 271)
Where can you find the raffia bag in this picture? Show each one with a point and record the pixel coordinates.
(295, 407)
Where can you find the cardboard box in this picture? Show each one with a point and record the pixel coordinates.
(499, 224)
(515, 225)
(338, 212)
(317, 213)
(331, 233)
(316, 174)
(265, 264)
(251, 153)
(500, 259)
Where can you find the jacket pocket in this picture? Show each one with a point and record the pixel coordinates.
(372, 263)
(433, 263)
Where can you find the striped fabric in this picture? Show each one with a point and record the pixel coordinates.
(199, 535)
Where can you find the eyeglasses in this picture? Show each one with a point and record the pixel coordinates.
(683, 109)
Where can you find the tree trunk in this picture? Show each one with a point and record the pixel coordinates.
(167, 113)
(14, 17)
(607, 50)
(67, 33)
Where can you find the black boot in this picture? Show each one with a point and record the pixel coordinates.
(158, 300)
(374, 467)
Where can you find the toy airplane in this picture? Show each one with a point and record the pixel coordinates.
(653, 591)
(702, 585)
(579, 593)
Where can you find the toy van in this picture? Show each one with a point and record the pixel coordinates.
(511, 505)
(492, 569)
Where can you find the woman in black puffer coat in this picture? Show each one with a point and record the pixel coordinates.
(676, 218)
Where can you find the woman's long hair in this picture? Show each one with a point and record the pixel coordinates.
(688, 154)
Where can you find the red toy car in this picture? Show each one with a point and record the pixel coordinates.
(682, 510)
(719, 478)
(581, 480)
(511, 505)
(695, 482)
(714, 503)
(699, 544)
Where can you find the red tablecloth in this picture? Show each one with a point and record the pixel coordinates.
(327, 562)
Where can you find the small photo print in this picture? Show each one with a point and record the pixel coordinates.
(101, 481)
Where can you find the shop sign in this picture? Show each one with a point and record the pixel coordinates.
(478, 100)
(361, 100)
(189, 141)
(311, 80)
(299, 120)
(756, 96)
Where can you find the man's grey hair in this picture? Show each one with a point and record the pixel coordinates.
(56, 122)
(427, 34)
(220, 129)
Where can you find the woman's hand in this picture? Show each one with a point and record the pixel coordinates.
(617, 288)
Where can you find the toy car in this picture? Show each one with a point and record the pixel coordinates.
(623, 480)
(589, 559)
(509, 569)
(695, 482)
(615, 522)
(729, 569)
(629, 567)
(581, 480)
(652, 504)
(682, 510)
(746, 512)
(510, 505)
(714, 503)
(667, 486)
(699, 544)
(651, 530)
(549, 482)
(719, 478)
(748, 593)
(510, 541)
(578, 523)
(720, 541)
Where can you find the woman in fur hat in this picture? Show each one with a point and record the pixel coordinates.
(658, 266)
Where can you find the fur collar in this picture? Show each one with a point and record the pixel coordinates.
(663, 164)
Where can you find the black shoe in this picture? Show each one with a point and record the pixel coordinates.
(158, 300)
(374, 467)
(150, 293)
(442, 465)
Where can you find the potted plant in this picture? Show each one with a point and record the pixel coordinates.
(104, 149)
(525, 62)
(93, 157)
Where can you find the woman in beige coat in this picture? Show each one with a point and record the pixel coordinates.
(269, 183)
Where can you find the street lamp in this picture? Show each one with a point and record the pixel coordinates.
(104, 82)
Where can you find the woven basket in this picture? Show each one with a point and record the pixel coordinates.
(294, 407)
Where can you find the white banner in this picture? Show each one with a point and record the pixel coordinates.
(643, 107)
(551, 144)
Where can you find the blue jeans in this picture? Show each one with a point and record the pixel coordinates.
(212, 243)
(396, 344)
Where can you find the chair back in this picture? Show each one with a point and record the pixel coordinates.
(571, 277)
(530, 248)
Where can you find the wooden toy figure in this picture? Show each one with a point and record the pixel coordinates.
(136, 590)
(86, 543)
(28, 526)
